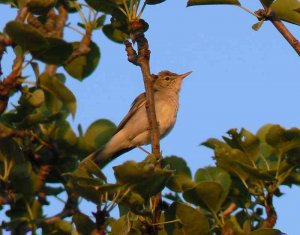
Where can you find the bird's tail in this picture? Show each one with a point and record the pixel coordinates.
(101, 157)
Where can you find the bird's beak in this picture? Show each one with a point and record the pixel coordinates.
(182, 76)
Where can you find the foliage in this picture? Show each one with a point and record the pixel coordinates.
(40, 152)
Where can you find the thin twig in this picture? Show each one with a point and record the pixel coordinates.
(247, 10)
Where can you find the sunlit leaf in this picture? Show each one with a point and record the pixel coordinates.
(267, 3)
(285, 10)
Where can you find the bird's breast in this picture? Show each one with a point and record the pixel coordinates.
(166, 112)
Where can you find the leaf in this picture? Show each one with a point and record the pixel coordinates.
(64, 134)
(57, 52)
(26, 36)
(56, 87)
(153, 2)
(182, 179)
(244, 141)
(206, 194)
(84, 225)
(178, 164)
(100, 21)
(99, 133)
(214, 174)
(267, 3)
(121, 226)
(266, 232)
(286, 10)
(191, 221)
(106, 6)
(115, 34)
(212, 2)
(144, 178)
(37, 98)
(283, 139)
(84, 65)
(10, 150)
(257, 25)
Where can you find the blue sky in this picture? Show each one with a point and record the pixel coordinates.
(241, 78)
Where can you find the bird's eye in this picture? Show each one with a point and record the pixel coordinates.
(167, 78)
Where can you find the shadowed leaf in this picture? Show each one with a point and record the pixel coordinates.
(212, 2)
(26, 36)
(84, 65)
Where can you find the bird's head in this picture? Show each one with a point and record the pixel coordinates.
(167, 80)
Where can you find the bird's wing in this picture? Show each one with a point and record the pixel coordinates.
(136, 105)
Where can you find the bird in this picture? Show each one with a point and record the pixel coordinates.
(134, 130)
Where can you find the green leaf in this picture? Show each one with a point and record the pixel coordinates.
(178, 164)
(206, 194)
(84, 65)
(99, 133)
(100, 21)
(212, 2)
(37, 98)
(286, 10)
(266, 232)
(283, 139)
(191, 221)
(144, 177)
(214, 174)
(64, 134)
(10, 150)
(153, 2)
(57, 88)
(57, 52)
(267, 3)
(257, 25)
(244, 141)
(121, 226)
(182, 179)
(115, 34)
(26, 36)
(84, 225)
(106, 6)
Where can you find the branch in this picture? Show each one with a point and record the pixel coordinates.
(271, 219)
(71, 207)
(141, 59)
(271, 16)
(230, 209)
(11, 81)
(58, 25)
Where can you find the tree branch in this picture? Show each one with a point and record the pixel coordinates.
(142, 59)
(271, 16)
(271, 219)
(57, 31)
